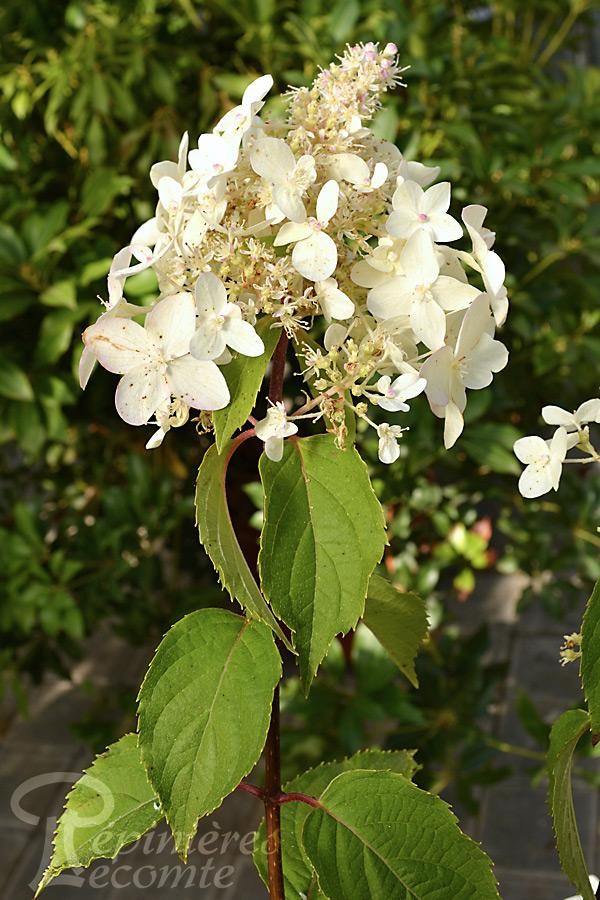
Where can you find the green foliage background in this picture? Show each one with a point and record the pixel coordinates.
(93, 528)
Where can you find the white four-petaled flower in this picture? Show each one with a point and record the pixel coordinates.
(219, 324)
(543, 462)
(417, 210)
(273, 429)
(389, 448)
(155, 362)
(395, 393)
(315, 254)
(335, 304)
(273, 160)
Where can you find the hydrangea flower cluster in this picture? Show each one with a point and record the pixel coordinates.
(322, 227)
(544, 459)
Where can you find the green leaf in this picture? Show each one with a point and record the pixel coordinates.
(244, 376)
(110, 806)
(14, 383)
(323, 535)
(565, 734)
(55, 335)
(378, 835)
(220, 542)
(398, 621)
(590, 656)
(40, 227)
(297, 871)
(204, 712)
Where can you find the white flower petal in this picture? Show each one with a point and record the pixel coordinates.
(140, 392)
(241, 336)
(172, 323)
(535, 481)
(530, 449)
(554, 415)
(452, 294)
(327, 201)
(390, 299)
(437, 372)
(589, 412)
(436, 199)
(315, 258)
(418, 259)
(453, 425)
(207, 343)
(486, 357)
(257, 90)
(274, 448)
(475, 323)
(119, 344)
(349, 167)
(272, 158)
(428, 322)
(289, 202)
(199, 383)
(292, 231)
(210, 294)
(445, 228)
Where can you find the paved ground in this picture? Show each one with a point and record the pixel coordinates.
(39, 759)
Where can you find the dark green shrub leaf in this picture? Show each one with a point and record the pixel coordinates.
(204, 712)
(315, 570)
(14, 383)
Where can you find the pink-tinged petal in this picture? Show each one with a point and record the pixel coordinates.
(140, 392)
(172, 323)
(390, 299)
(437, 371)
(436, 200)
(316, 257)
(242, 337)
(119, 344)
(418, 259)
(529, 449)
(327, 201)
(428, 322)
(198, 383)
(210, 294)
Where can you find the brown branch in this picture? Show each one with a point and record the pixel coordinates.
(272, 806)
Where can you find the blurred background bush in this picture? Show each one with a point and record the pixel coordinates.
(95, 530)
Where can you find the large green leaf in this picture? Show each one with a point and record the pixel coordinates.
(323, 535)
(378, 835)
(244, 376)
(590, 657)
(297, 871)
(398, 621)
(564, 737)
(220, 542)
(110, 806)
(204, 711)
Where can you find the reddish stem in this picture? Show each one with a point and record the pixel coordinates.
(277, 369)
(295, 797)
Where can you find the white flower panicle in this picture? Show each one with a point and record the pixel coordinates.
(544, 459)
(293, 221)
